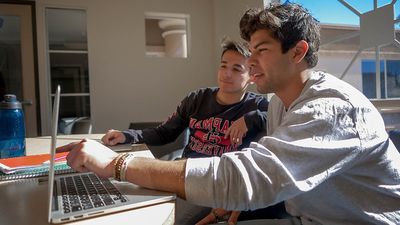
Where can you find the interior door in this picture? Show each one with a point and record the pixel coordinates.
(17, 70)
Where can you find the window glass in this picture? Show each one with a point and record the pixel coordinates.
(322, 10)
(10, 56)
(393, 78)
(369, 78)
(70, 70)
(66, 29)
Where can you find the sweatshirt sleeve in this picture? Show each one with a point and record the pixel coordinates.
(305, 151)
(165, 133)
(257, 119)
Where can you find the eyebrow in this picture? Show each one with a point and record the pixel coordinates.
(234, 65)
(261, 43)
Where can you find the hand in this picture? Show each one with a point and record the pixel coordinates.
(217, 215)
(237, 131)
(113, 137)
(89, 155)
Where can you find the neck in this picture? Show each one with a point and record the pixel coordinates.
(293, 89)
(224, 98)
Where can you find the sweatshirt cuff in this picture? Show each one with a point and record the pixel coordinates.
(249, 119)
(199, 180)
(128, 137)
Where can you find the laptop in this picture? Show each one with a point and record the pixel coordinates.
(82, 195)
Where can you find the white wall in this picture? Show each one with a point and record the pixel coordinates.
(227, 18)
(336, 63)
(125, 85)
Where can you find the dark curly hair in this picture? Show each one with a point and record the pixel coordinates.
(288, 23)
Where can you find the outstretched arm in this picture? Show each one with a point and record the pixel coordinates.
(168, 131)
(157, 174)
(113, 137)
(89, 155)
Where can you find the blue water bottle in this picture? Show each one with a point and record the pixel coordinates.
(12, 128)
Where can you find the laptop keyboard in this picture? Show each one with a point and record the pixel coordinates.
(87, 191)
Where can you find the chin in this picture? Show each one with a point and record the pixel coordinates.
(225, 87)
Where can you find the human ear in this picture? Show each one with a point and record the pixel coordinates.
(300, 51)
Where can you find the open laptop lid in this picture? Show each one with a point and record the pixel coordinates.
(54, 123)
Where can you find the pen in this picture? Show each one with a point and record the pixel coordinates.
(60, 158)
(55, 160)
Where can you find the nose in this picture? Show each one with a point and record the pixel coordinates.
(251, 61)
(227, 73)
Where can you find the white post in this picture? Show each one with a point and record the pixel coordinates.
(174, 37)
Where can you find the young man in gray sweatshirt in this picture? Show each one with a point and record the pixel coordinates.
(326, 153)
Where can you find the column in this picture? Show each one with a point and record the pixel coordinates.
(174, 34)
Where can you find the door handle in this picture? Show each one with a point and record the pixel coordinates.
(27, 102)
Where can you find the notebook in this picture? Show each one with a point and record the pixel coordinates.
(61, 168)
(101, 196)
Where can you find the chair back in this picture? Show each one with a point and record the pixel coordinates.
(82, 125)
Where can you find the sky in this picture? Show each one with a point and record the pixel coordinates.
(334, 12)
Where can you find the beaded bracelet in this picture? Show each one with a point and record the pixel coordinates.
(124, 167)
(121, 165)
(118, 165)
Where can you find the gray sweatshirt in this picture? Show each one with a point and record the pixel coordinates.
(327, 156)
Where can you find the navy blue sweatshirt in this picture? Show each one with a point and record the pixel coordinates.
(207, 121)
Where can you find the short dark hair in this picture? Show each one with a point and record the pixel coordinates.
(288, 23)
(240, 47)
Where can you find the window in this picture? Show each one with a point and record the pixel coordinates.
(393, 78)
(68, 65)
(354, 37)
(390, 78)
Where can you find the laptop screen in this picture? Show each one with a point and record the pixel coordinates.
(54, 122)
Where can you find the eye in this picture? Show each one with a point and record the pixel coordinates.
(262, 49)
(223, 66)
(237, 68)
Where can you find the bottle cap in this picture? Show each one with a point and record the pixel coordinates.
(10, 102)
